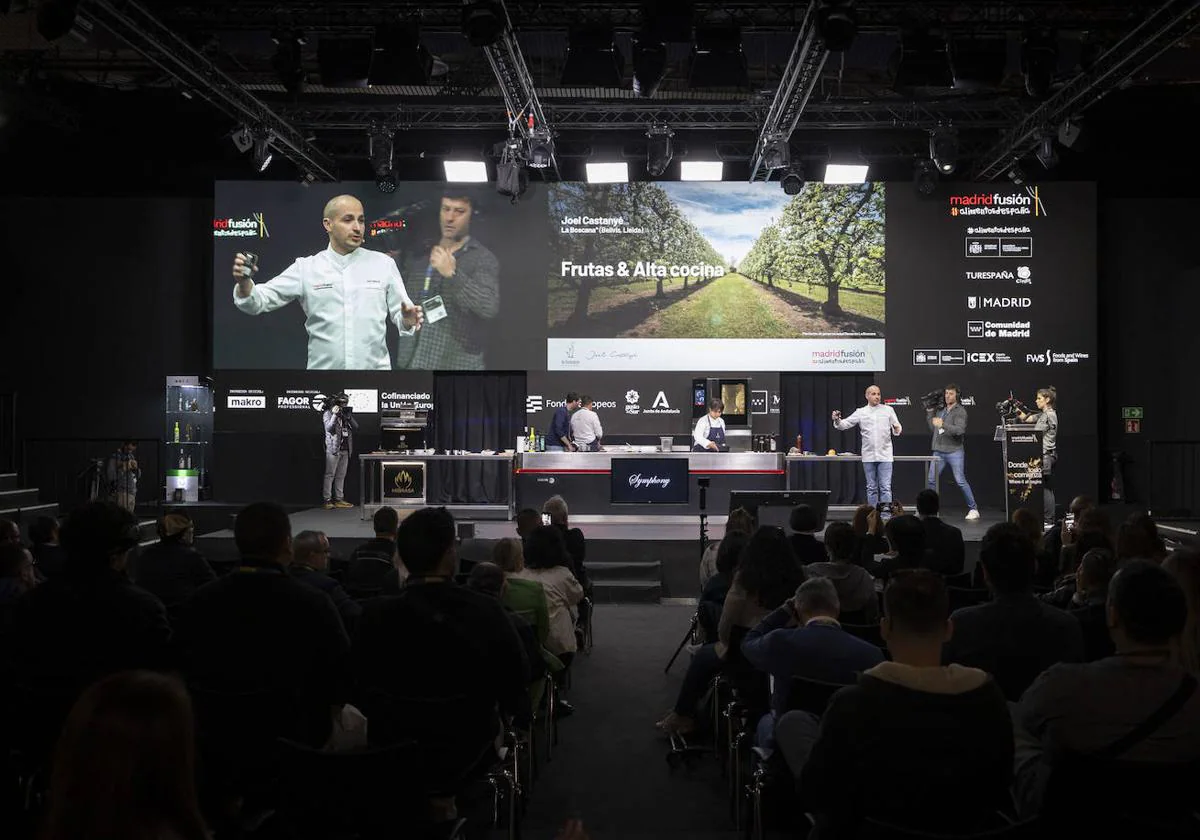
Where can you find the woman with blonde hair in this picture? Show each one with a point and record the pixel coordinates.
(525, 597)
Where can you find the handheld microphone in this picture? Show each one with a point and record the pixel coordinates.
(428, 276)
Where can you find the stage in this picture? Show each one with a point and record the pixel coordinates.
(630, 558)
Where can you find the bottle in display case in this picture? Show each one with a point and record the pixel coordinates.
(188, 408)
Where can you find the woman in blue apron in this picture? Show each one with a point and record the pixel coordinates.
(709, 434)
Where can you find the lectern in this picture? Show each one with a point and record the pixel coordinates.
(1021, 452)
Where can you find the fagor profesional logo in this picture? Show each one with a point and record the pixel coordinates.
(254, 225)
(292, 401)
(1027, 203)
(640, 482)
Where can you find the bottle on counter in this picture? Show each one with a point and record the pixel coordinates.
(181, 460)
(177, 431)
(189, 462)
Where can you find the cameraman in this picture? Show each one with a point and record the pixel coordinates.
(948, 423)
(340, 427)
(1046, 420)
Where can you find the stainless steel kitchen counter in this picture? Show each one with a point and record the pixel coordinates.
(703, 462)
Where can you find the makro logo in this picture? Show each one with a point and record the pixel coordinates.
(982, 302)
(245, 402)
(1028, 203)
(533, 403)
(639, 482)
(252, 225)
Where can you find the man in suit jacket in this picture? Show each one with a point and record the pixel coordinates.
(943, 542)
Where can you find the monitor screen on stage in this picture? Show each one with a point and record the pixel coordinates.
(573, 277)
(650, 481)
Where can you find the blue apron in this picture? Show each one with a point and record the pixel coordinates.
(716, 434)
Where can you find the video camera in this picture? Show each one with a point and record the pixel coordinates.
(1011, 407)
(336, 399)
(934, 400)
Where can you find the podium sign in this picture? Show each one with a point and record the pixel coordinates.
(1023, 470)
(402, 482)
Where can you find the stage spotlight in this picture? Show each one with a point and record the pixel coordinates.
(483, 22)
(837, 24)
(925, 177)
(55, 18)
(649, 65)
(1070, 132)
(659, 151)
(541, 150)
(262, 152)
(287, 61)
(1046, 154)
(511, 177)
(387, 183)
(380, 149)
(1016, 174)
(943, 149)
(243, 139)
(792, 181)
(1039, 61)
(776, 154)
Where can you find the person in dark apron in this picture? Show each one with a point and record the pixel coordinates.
(709, 434)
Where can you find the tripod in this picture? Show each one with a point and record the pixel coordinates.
(690, 635)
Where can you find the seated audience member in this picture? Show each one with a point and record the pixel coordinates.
(556, 508)
(524, 597)
(1054, 538)
(1086, 709)
(740, 522)
(17, 577)
(767, 575)
(1138, 539)
(1014, 636)
(915, 743)
(438, 664)
(125, 763)
(854, 584)
(9, 531)
(868, 534)
(712, 598)
(488, 579)
(805, 522)
(1062, 594)
(171, 569)
(1046, 564)
(373, 567)
(1185, 566)
(527, 520)
(1089, 604)
(88, 622)
(547, 563)
(1091, 530)
(945, 552)
(310, 565)
(804, 639)
(48, 554)
(258, 631)
(906, 538)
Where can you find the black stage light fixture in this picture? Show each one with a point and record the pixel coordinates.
(243, 138)
(943, 149)
(659, 151)
(776, 154)
(381, 145)
(288, 61)
(593, 59)
(1039, 61)
(512, 179)
(792, 180)
(398, 57)
(978, 62)
(541, 150)
(649, 64)
(837, 24)
(345, 62)
(1016, 174)
(924, 64)
(483, 22)
(55, 18)
(1046, 153)
(925, 177)
(717, 59)
(263, 154)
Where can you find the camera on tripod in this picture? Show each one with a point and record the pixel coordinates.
(934, 400)
(1010, 408)
(341, 400)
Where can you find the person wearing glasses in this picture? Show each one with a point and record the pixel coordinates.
(310, 565)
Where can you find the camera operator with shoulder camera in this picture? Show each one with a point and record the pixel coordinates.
(947, 419)
(340, 427)
(1046, 422)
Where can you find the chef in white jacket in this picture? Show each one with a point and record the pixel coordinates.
(348, 294)
(878, 424)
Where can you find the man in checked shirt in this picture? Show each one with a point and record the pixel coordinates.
(459, 280)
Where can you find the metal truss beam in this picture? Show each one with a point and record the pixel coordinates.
(1157, 32)
(530, 15)
(172, 54)
(799, 79)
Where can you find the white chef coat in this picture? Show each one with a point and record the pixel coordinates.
(585, 427)
(700, 433)
(347, 300)
(875, 423)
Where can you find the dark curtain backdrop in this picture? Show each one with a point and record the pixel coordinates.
(475, 411)
(806, 402)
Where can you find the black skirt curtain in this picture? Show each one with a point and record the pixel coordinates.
(806, 402)
(473, 412)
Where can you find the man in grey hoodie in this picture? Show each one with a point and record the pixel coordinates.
(949, 427)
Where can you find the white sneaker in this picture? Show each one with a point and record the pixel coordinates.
(972, 515)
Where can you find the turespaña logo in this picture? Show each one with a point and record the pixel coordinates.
(1024, 277)
(533, 403)
(253, 225)
(246, 402)
(631, 402)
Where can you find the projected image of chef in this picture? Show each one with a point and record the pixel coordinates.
(456, 281)
(347, 293)
(709, 434)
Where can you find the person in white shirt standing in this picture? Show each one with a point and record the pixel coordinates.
(348, 294)
(709, 434)
(878, 424)
(586, 430)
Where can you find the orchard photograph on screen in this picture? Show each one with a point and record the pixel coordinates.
(716, 261)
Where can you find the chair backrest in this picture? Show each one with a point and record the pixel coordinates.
(811, 696)
(867, 632)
